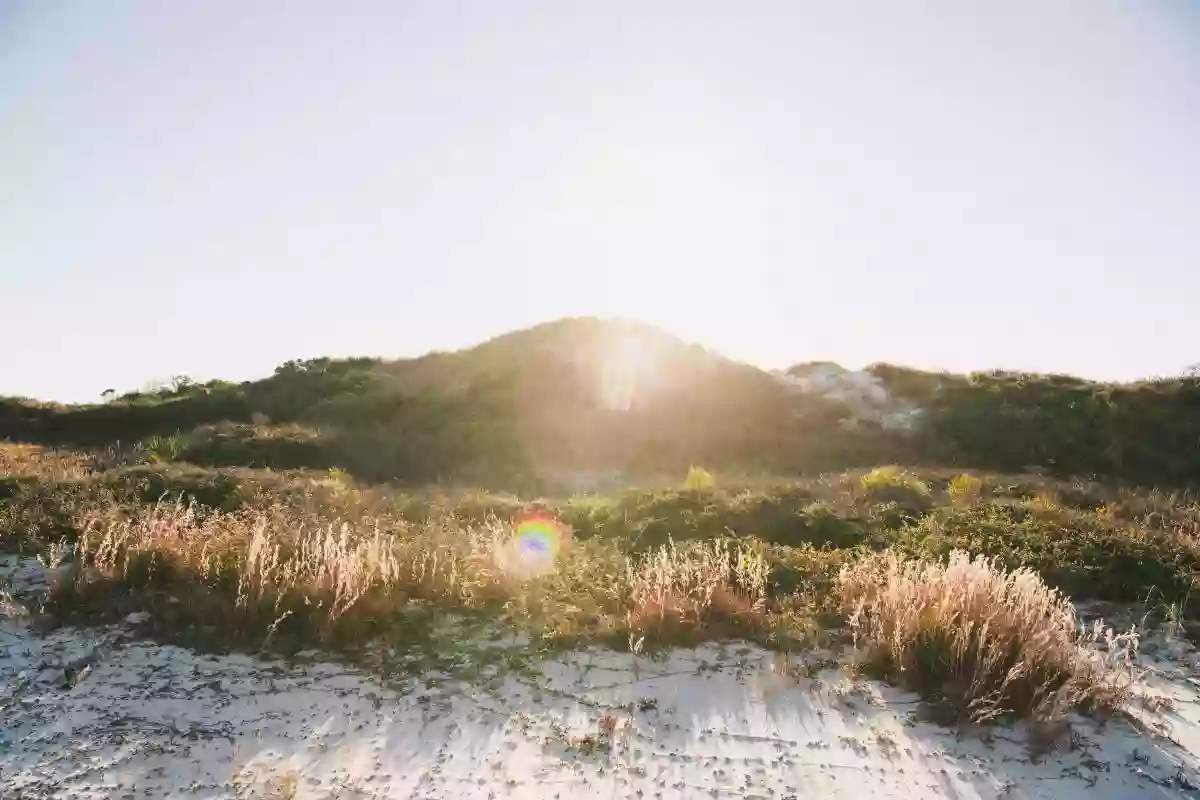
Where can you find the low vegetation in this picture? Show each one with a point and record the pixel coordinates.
(702, 586)
(320, 505)
(981, 640)
(326, 553)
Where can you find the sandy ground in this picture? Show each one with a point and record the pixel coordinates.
(102, 713)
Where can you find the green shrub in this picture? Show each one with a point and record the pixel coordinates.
(162, 449)
(279, 447)
(1085, 555)
(905, 496)
(882, 479)
(964, 488)
(228, 488)
(698, 480)
(511, 412)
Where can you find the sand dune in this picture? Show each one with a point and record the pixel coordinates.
(104, 713)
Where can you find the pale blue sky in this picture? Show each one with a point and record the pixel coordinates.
(211, 188)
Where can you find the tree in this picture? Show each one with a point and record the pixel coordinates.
(181, 382)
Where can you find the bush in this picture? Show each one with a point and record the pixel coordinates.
(883, 479)
(257, 446)
(1142, 432)
(159, 449)
(1082, 554)
(963, 488)
(698, 480)
(982, 641)
(908, 495)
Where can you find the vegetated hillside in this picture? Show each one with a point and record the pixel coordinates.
(584, 396)
(1146, 432)
(279, 506)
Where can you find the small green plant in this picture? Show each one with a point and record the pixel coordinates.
(964, 488)
(899, 496)
(698, 480)
(884, 478)
(161, 449)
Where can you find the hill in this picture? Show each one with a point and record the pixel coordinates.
(569, 402)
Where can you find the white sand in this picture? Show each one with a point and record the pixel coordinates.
(99, 713)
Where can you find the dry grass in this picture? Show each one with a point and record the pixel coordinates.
(273, 573)
(41, 491)
(257, 781)
(275, 564)
(34, 461)
(335, 561)
(266, 571)
(691, 585)
(981, 640)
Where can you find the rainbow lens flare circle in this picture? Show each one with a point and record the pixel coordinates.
(537, 541)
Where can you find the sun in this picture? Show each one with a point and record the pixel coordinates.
(628, 364)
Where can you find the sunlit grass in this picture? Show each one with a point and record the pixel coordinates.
(319, 559)
(983, 640)
(35, 461)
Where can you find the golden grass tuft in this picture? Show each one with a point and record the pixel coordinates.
(269, 564)
(266, 570)
(981, 640)
(690, 585)
(34, 461)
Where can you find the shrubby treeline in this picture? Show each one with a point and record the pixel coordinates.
(530, 404)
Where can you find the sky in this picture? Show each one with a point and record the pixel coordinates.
(212, 187)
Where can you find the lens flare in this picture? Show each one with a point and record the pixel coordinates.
(537, 540)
